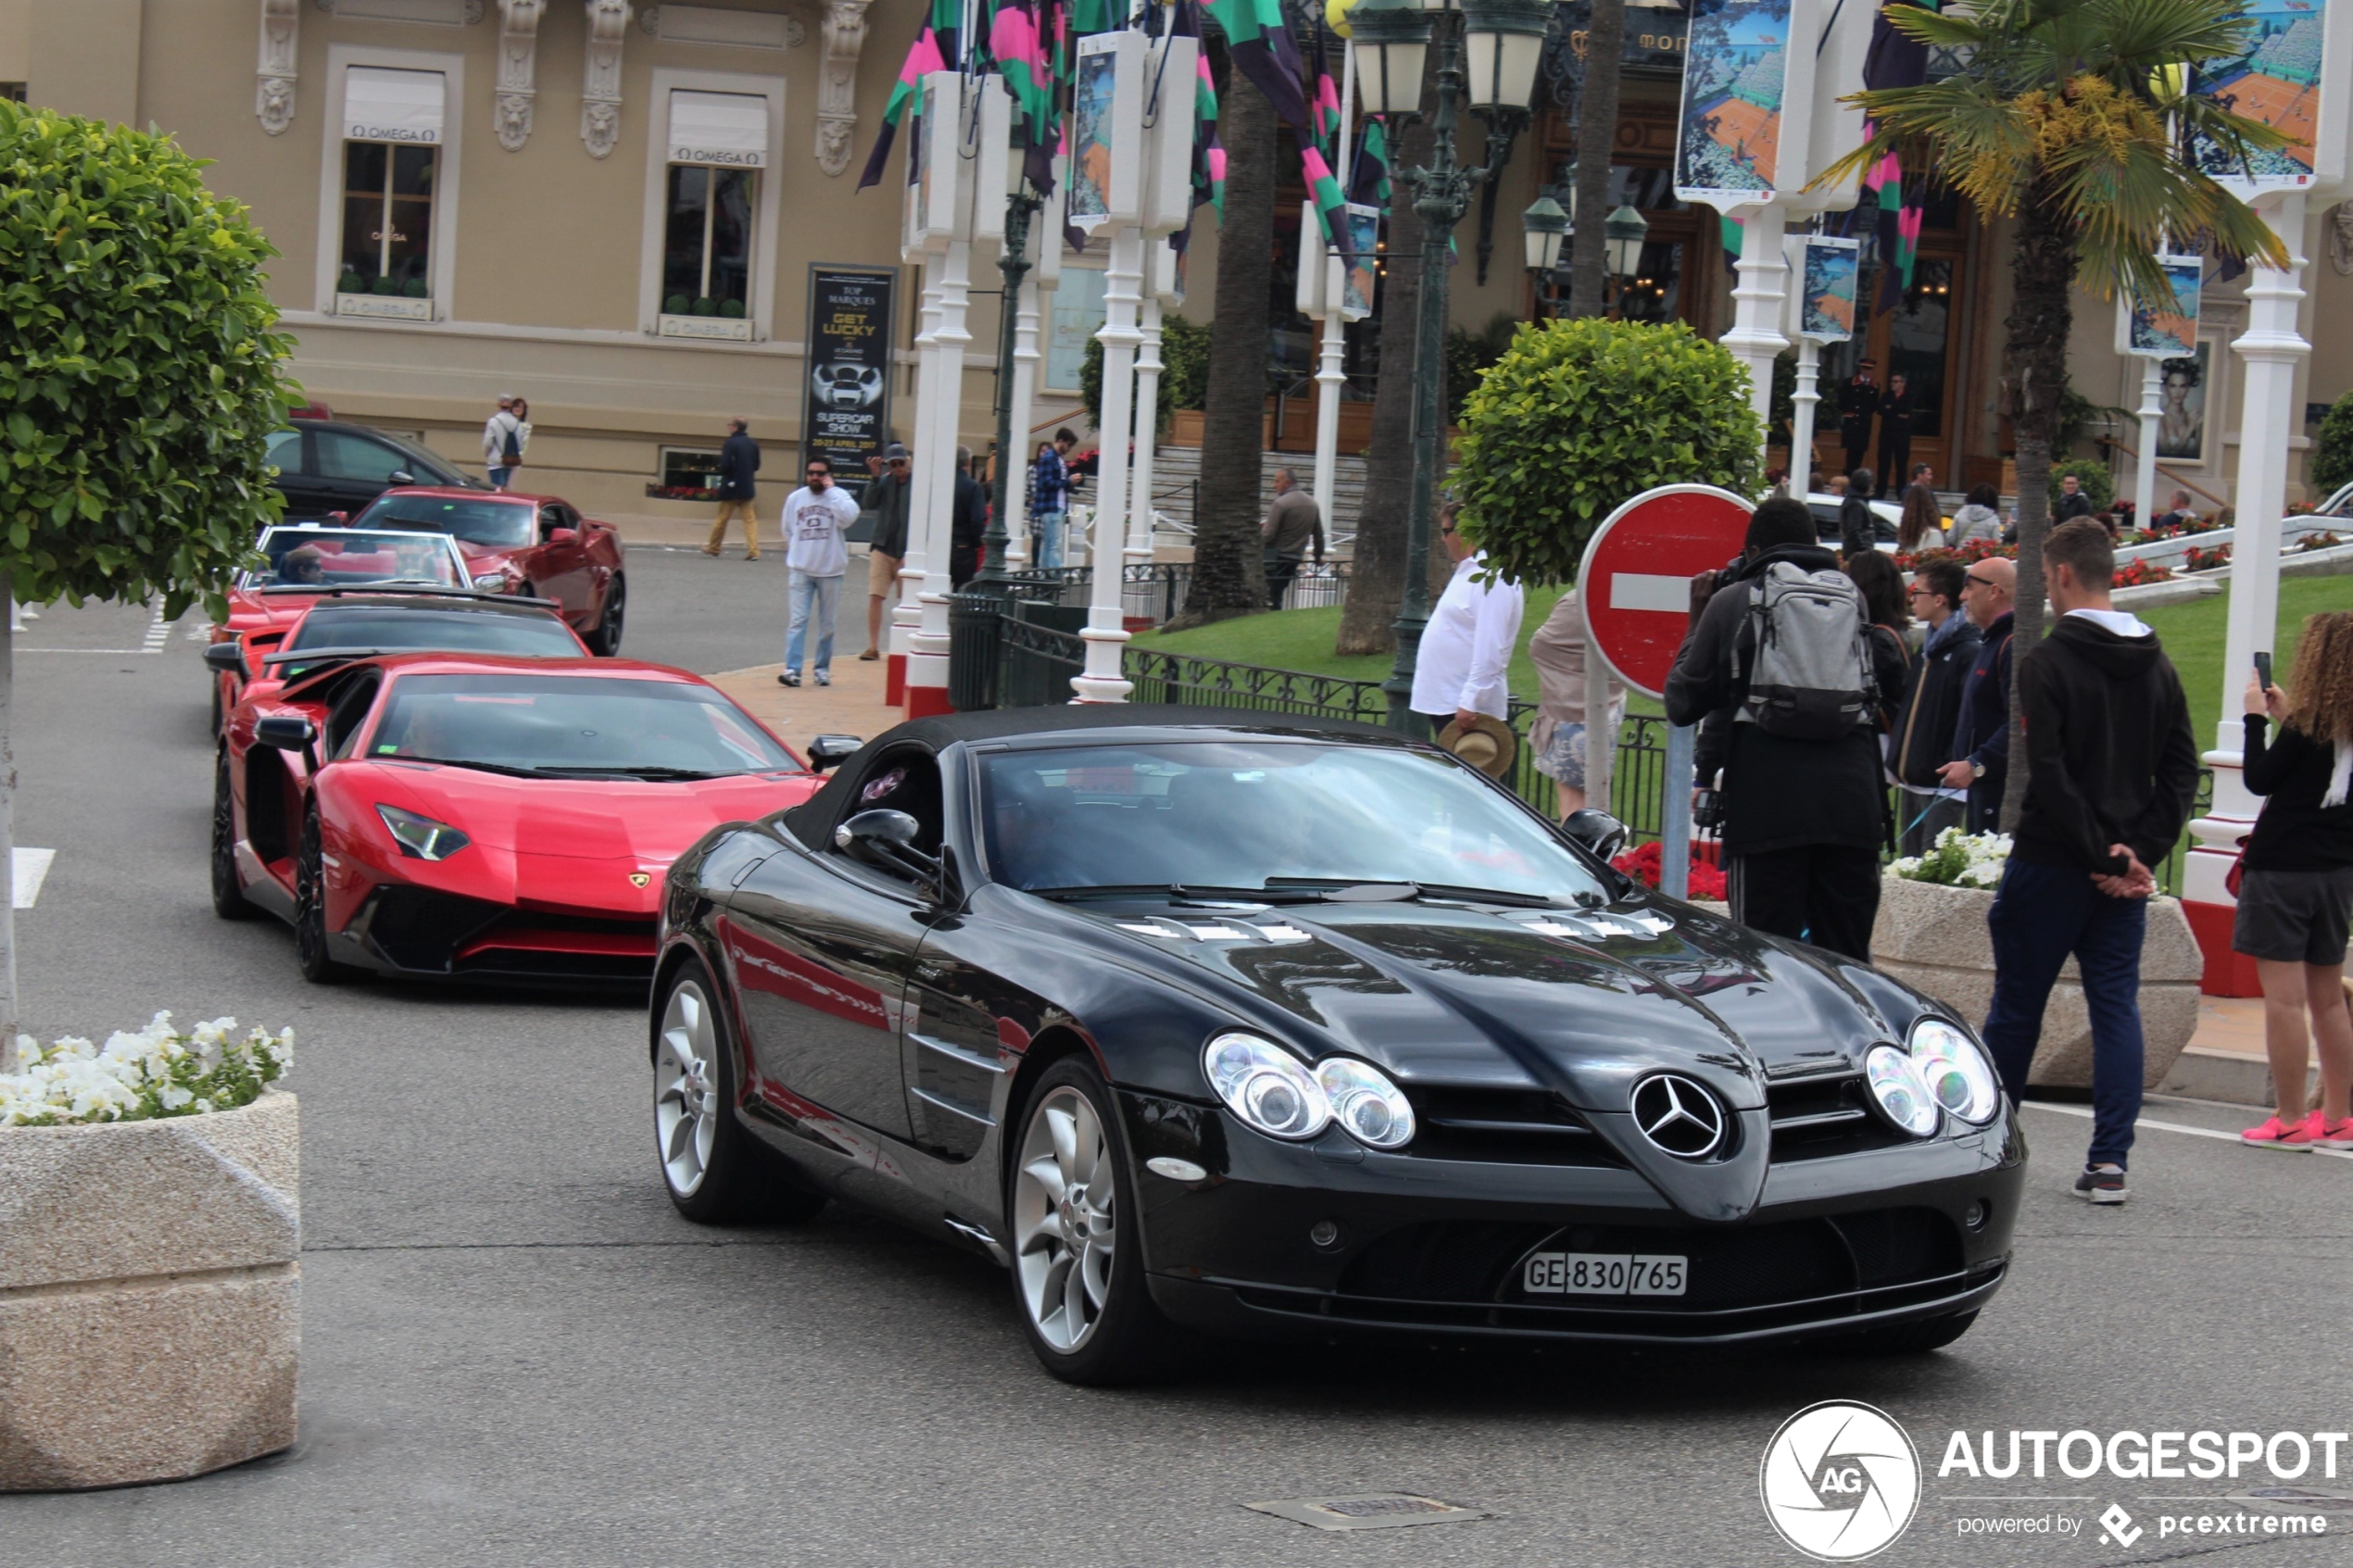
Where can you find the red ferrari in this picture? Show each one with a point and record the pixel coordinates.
(530, 544)
(300, 565)
(462, 816)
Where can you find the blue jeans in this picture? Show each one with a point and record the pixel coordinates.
(2042, 914)
(1046, 540)
(811, 595)
(498, 478)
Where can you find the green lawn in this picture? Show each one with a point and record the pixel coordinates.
(2193, 634)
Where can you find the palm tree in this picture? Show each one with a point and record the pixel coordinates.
(2071, 117)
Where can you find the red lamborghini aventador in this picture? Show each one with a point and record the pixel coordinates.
(462, 816)
(531, 545)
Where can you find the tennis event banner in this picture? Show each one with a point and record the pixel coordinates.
(1727, 149)
(2291, 74)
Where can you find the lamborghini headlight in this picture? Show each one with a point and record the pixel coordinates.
(1896, 1084)
(1954, 1071)
(421, 838)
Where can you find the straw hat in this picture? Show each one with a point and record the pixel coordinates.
(1486, 742)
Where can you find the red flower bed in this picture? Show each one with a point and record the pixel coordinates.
(2134, 574)
(1646, 863)
(1967, 555)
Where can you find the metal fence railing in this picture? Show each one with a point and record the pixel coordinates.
(1216, 683)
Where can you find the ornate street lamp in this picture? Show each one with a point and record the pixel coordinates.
(1546, 225)
(1504, 39)
(1624, 231)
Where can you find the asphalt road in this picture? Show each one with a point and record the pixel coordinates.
(515, 1352)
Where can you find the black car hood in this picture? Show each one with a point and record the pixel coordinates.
(1585, 1003)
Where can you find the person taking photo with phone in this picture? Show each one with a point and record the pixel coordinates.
(2295, 887)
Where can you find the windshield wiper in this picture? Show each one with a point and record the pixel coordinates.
(468, 763)
(1345, 891)
(1178, 892)
(622, 770)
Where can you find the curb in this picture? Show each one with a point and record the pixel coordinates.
(2202, 1072)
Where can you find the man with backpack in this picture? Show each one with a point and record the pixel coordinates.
(1778, 672)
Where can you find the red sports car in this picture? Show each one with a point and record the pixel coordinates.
(339, 626)
(301, 564)
(530, 544)
(468, 817)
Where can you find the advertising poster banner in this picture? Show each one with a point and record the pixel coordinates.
(1092, 124)
(1726, 153)
(846, 416)
(1827, 268)
(2275, 81)
(2166, 328)
(1361, 259)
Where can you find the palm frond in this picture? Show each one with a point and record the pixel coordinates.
(1939, 29)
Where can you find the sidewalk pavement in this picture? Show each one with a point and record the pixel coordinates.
(2225, 1059)
(852, 706)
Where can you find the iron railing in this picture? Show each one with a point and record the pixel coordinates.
(1216, 683)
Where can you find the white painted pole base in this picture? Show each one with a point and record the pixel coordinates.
(2145, 465)
(1106, 636)
(1800, 436)
(1148, 368)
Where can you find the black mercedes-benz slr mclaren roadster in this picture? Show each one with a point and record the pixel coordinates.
(1262, 1026)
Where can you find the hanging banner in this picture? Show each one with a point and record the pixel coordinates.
(1825, 268)
(846, 415)
(1728, 148)
(2288, 58)
(2166, 328)
(1361, 259)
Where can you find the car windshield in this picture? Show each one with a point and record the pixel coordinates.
(1269, 815)
(303, 557)
(502, 523)
(573, 727)
(332, 626)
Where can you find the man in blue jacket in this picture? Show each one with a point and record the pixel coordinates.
(1981, 739)
(739, 460)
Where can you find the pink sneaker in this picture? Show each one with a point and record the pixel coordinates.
(2295, 1138)
(2334, 1134)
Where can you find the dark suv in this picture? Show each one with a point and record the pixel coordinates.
(332, 466)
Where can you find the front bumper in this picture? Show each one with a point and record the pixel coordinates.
(419, 933)
(1435, 1245)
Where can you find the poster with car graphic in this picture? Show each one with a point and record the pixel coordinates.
(1726, 151)
(845, 413)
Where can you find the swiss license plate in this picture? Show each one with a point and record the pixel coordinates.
(1603, 1274)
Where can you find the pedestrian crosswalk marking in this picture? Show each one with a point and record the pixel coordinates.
(30, 868)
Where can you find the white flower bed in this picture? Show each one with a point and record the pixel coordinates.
(1959, 859)
(136, 1077)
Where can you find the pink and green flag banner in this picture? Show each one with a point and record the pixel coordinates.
(924, 57)
(1368, 176)
(1262, 48)
(1325, 195)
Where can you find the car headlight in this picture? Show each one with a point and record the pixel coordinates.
(421, 838)
(492, 581)
(1366, 1105)
(1895, 1084)
(1954, 1071)
(1266, 1086)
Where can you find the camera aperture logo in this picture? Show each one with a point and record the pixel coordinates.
(1840, 1481)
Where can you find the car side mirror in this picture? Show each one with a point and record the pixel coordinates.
(338, 518)
(226, 658)
(1597, 830)
(563, 536)
(400, 476)
(885, 840)
(829, 751)
(286, 732)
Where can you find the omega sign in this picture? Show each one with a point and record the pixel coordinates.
(359, 131)
(682, 154)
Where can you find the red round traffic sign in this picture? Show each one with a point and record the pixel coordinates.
(1637, 575)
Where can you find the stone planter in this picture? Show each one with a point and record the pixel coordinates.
(1934, 937)
(150, 1297)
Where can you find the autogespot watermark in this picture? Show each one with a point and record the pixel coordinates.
(1842, 1481)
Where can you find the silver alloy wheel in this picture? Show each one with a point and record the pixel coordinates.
(685, 1088)
(1064, 1224)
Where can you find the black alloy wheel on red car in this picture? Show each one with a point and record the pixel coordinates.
(228, 894)
(311, 952)
(605, 641)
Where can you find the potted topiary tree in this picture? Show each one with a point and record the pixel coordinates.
(140, 379)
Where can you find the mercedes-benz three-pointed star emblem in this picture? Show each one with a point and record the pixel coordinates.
(1679, 1115)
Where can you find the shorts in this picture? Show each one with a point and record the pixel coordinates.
(1564, 757)
(2294, 917)
(882, 575)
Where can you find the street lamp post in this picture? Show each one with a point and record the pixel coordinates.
(1488, 48)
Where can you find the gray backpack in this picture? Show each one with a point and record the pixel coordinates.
(1810, 662)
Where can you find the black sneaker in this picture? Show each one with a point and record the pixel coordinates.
(789, 678)
(2102, 1184)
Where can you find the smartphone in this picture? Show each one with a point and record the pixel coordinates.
(2264, 669)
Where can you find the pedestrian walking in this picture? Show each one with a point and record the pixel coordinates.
(1777, 671)
(887, 497)
(1466, 649)
(2296, 882)
(1294, 523)
(1895, 429)
(1888, 625)
(1925, 804)
(1980, 748)
(967, 523)
(502, 442)
(1561, 737)
(818, 517)
(1857, 406)
(1049, 501)
(2112, 769)
(2072, 502)
(1857, 524)
(1980, 517)
(739, 460)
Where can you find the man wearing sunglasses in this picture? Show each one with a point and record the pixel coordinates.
(817, 519)
(886, 495)
(1981, 737)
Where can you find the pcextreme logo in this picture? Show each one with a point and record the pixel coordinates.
(1840, 1481)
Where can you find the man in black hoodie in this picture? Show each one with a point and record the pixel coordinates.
(1803, 818)
(2111, 770)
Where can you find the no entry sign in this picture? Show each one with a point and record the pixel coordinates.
(1636, 580)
